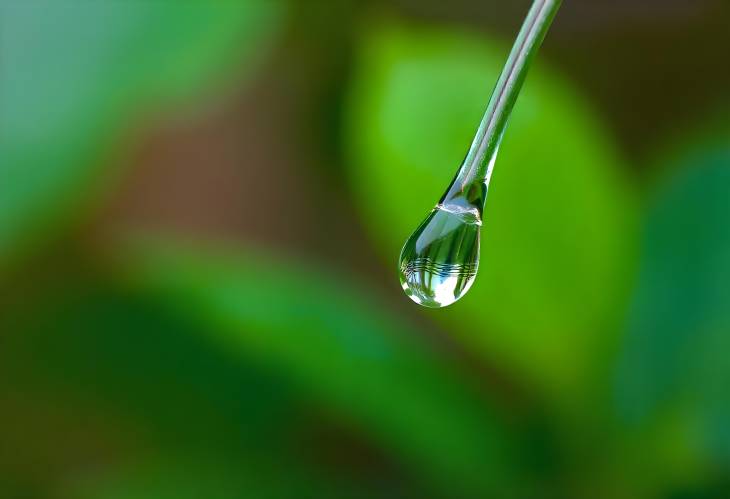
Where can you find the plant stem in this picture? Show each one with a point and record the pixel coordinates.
(471, 182)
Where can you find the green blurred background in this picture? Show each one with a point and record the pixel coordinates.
(201, 209)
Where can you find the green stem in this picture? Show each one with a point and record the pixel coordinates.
(468, 191)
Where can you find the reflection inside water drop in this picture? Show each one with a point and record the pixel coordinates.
(439, 261)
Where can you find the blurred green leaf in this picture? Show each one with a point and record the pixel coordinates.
(559, 219)
(675, 360)
(87, 371)
(96, 379)
(339, 345)
(89, 342)
(74, 74)
(173, 478)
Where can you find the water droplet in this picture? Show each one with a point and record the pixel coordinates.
(439, 261)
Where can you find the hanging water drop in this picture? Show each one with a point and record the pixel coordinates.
(439, 262)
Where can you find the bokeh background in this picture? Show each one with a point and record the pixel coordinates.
(201, 209)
